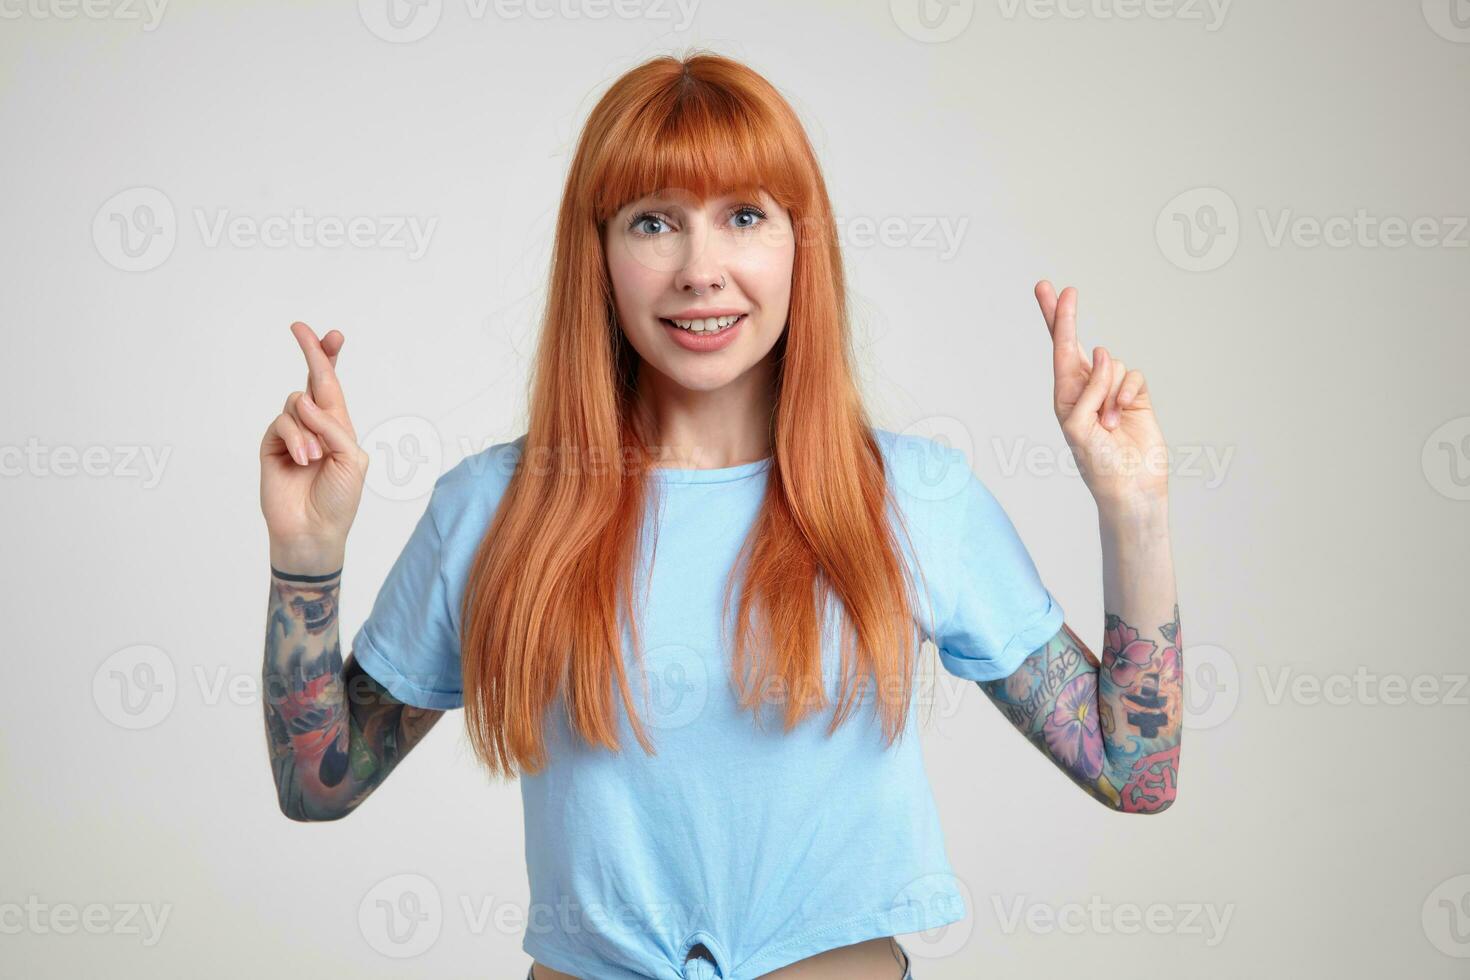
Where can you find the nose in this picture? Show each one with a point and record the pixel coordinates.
(703, 268)
(700, 280)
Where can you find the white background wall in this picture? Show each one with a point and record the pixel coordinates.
(1313, 395)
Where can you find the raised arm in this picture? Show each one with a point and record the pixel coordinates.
(1114, 727)
(333, 733)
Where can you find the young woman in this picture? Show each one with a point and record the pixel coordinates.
(686, 606)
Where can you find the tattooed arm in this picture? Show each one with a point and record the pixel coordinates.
(333, 732)
(1114, 727)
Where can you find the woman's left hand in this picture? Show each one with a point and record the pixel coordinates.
(1105, 412)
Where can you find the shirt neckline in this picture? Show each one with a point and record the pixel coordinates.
(723, 474)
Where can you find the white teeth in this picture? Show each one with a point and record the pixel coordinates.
(707, 324)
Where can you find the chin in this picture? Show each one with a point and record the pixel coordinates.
(710, 378)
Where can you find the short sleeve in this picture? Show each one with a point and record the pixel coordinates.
(409, 643)
(998, 610)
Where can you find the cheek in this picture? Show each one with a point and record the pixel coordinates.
(635, 286)
(770, 274)
(764, 264)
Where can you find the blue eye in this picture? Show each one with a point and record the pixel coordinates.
(750, 209)
(638, 220)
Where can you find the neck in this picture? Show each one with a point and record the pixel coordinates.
(713, 429)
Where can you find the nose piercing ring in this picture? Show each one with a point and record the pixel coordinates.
(700, 292)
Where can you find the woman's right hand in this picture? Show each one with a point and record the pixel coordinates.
(311, 468)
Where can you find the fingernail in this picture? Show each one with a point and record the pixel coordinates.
(300, 456)
(306, 400)
(315, 448)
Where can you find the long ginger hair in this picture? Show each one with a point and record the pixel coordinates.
(551, 586)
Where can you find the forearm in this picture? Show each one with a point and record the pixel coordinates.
(333, 733)
(1051, 699)
(306, 718)
(1140, 684)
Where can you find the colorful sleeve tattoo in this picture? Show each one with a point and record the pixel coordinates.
(1114, 727)
(333, 732)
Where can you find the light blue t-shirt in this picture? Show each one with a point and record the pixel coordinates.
(765, 847)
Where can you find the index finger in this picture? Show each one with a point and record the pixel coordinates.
(325, 389)
(1061, 321)
(1047, 297)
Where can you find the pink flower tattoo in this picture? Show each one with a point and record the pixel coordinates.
(1124, 654)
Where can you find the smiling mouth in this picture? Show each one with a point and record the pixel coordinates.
(704, 327)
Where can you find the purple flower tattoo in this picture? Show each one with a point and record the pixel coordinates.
(1071, 730)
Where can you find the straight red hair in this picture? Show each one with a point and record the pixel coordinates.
(551, 586)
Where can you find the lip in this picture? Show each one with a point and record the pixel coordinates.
(701, 342)
(700, 312)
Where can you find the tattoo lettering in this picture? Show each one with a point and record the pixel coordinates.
(1111, 724)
